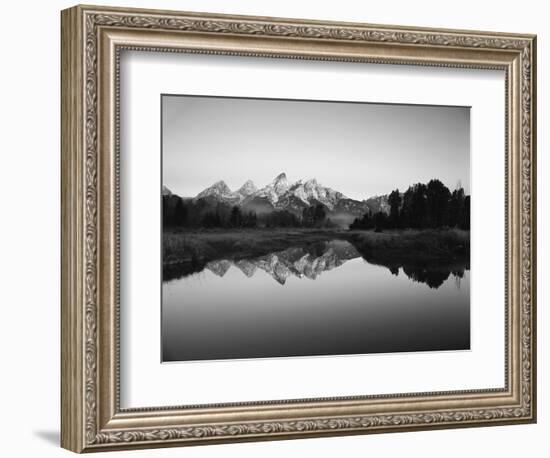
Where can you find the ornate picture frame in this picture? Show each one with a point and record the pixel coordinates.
(92, 40)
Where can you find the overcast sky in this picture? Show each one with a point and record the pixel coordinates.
(358, 149)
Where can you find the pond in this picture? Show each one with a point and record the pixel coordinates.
(320, 300)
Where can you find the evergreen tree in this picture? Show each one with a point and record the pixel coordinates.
(314, 215)
(319, 214)
(167, 219)
(380, 221)
(456, 208)
(251, 220)
(394, 200)
(437, 201)
(418, 216)
(208, 220)
(180, 213)
(465, 222)
(235, 219)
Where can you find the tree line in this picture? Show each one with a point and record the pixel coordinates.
(311, 217)
(177, 212)
(422, 206)
(235, 218)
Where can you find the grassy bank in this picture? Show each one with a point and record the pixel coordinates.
(413, 246)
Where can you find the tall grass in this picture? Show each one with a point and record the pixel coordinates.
(415, 244)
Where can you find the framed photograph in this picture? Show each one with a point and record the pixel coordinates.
(278, 228)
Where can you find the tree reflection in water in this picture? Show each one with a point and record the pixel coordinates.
(311, 261)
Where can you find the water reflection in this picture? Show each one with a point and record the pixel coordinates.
(308, 262)
(312, 260)
(322, 299)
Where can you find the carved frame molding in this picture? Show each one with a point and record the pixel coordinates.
(92, 39)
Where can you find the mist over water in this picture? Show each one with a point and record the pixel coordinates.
(327, 300)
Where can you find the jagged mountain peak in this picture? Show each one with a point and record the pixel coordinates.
(279, 194)
(247, 188)
(219, 188)
(274, 190)
(311, 183)
(280, 177)
(280, 183)
(296, 184)
(221, 185)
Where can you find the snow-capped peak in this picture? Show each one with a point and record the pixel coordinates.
(279, 192)
(280, 183)
(247, 188)
(312, 190)
(311, 184)
(274, 190)
(219, 188)
(166, 191)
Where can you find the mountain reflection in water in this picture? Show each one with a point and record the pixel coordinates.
(312, 260)
(323, 298)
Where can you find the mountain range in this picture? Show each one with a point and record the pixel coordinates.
(280, 194)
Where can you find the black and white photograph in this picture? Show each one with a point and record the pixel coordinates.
(301, 228)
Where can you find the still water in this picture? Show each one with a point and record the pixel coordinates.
(329, 301)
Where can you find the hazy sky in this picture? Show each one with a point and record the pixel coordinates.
(359, 149)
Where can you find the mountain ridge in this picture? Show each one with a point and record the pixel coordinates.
(281, 195)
